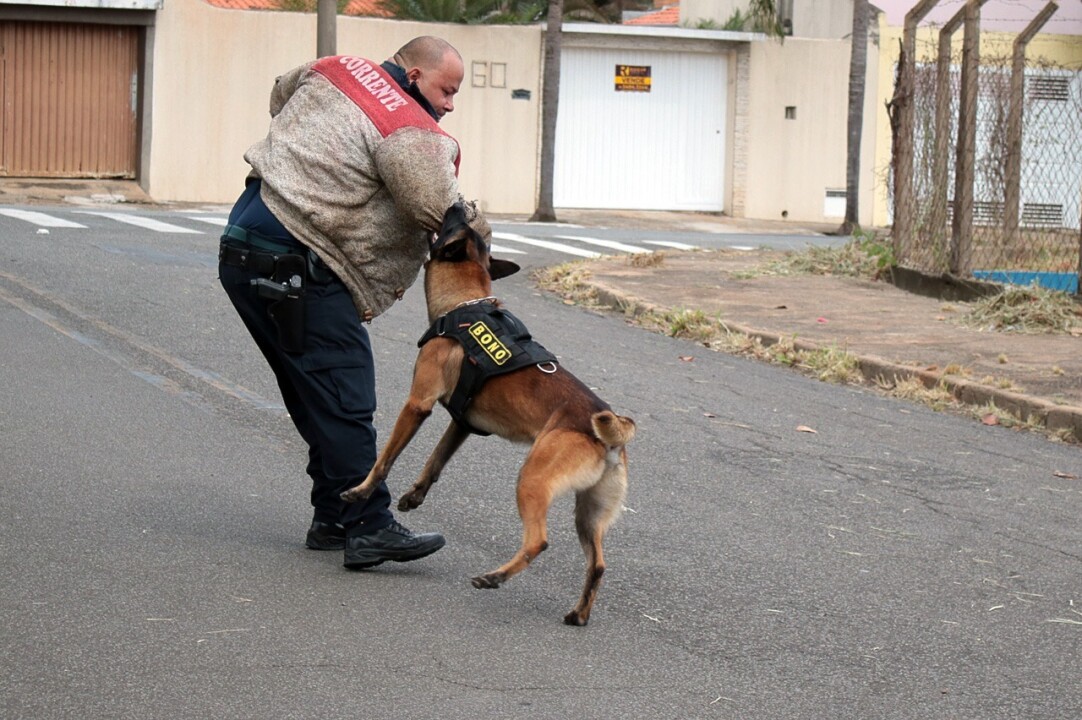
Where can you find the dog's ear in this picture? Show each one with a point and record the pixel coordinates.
(501, 268)
(454, 247)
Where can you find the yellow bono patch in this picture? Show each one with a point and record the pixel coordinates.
(490, 343)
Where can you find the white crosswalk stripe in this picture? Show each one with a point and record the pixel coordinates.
(144, 222)
(211, 219)
(671, 244)
(610, 244)
(558, 247)
(505, 247)
(39, 219)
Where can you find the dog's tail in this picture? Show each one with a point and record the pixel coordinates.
(612, 429)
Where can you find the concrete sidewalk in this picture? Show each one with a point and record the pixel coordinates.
(894, 334)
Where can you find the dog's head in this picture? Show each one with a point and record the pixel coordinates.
(458, 242)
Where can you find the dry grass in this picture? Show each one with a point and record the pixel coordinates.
(568, 281)
(1029, 309)
(991, 414)
(857, 258)
(646, 260)
(688, 324)
(938, 397)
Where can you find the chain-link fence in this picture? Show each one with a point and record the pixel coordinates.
(995, 186)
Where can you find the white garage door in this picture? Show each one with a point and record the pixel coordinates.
(662, 149)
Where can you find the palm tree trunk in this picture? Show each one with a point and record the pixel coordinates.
(550, 100)
(858, 65)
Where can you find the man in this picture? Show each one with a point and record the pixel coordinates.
(345, 193)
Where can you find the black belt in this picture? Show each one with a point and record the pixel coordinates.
(262, 242)
(249, 250)
(246, 257)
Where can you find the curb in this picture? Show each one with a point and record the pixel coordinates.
(874, 369)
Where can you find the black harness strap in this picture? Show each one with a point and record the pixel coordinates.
(495, 341)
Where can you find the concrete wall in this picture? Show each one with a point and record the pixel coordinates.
(790, 163)
(212, 71)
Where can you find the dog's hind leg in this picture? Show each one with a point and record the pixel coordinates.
(559, 461)
(451, 441)
(595, 510)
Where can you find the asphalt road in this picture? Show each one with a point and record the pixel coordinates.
(895, 563)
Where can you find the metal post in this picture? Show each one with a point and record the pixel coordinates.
(962, 227)
(940, 163)
(1013, 191)
(903, 98)
(326, 26)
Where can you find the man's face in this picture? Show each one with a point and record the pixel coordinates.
(439, 84)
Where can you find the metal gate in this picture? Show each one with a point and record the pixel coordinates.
(641, 129)
(70, 99)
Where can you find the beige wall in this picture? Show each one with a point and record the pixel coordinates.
(718, 11)
(791, 163)
(213, 70)
(824, 19)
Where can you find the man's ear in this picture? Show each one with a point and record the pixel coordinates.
(501, 268)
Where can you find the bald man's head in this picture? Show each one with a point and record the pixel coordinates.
(436, 67)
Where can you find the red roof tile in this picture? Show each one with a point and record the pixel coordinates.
(666, 16)
(372, 8)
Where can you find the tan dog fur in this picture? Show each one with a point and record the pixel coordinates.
(577, 441)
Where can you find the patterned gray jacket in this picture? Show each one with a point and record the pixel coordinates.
(358, 171)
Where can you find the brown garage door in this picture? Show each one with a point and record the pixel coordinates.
(70, 99)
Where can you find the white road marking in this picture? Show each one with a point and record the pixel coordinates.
(528, 223)
(671, 244)
(506, 250)
(39, 219)
(611, 244)
(219, 221)
(143, 222)
(558, 247)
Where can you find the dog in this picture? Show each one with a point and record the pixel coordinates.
(577, 440)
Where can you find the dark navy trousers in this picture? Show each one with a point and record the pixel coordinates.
(329, 389)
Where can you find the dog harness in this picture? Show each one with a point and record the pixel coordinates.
(495, 341)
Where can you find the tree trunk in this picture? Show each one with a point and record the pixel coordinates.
(858, 66)
(550, 100)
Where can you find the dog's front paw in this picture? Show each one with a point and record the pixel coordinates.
(360, 492)
(489, 581)
(411, 501)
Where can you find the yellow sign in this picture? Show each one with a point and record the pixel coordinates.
(490, 343)
(633, 78)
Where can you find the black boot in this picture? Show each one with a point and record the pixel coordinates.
(326, 536)
(394, 542)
